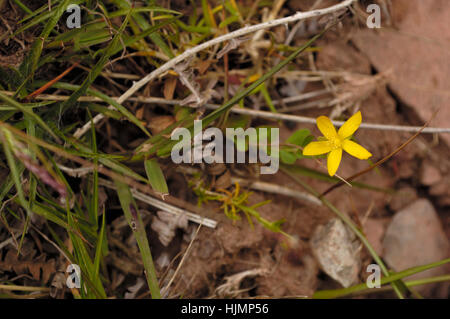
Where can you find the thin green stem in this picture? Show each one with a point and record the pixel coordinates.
(21, 6)
(363, 288)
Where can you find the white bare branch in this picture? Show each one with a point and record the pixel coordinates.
(257, 113)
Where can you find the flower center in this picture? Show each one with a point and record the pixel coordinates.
(336, 143)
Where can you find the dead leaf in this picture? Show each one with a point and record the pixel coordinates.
(169, 87)
(140, 113)
(157, 124)
(203, 66)
(224, 181)
(27, 265)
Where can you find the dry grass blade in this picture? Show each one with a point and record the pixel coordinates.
(50, 83)
(165, 291)
(166, 206)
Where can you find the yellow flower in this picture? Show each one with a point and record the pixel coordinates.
(334, 142)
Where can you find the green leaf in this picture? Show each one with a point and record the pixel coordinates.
(299, 137)
(393, 277)
(30, 63)
(135, 221)
(97, 69)
(7, 142)
(99, 248)
(267, 97)
(155, 176)
(228, 21)
(123, 110)
(123, 12)
(143, 23)
(28, 111)
(288, 157)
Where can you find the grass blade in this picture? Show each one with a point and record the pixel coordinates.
(134, 219)
(156, 177)
(30, 64)
(28, 111)
(97, 69)
(336, 293)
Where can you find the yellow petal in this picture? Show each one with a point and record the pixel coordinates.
(326, 127)
(351, 125)
(355, 150)
(317, 148)
(334, 159)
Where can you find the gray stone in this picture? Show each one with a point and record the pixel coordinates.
(337, 252)
(415, 237)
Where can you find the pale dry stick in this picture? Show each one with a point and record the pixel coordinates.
(191, 52)
(164, 206)
(310, 120)
(304, 119)
(276, 189)
(76, 172)
(232, 282)
(116, 75)
(24, 288)
(317, 104)
(10, 31)
(142, 99)
(301, 97)
(260, 186)
(276, 8)
(7, 201)
(291, 35)
(252, 45)
(294, 30)
(252, 10)
(51, 242)
(10, 240)
(256, 113)
(164, 291)
(368, 212)
(363, 222)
